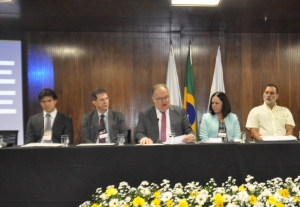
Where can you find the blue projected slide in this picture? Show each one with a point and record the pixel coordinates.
(11, 101)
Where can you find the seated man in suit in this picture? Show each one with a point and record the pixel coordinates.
(50, 121)
(102, 125)
(162, 118)
(270, 119)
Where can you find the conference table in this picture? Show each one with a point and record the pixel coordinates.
(68, 176)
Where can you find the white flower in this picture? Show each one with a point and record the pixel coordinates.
(266, 193)
(178, 191)
(103, 196)
(114, 202)
(201, 199)
(234, 188)
(258, 204)
(243, 196)
(145, 183)
(203, 192)
(146, 192)
(251, 188)
(231, 205)
(128, 199)
(166, 196)
(227, 198)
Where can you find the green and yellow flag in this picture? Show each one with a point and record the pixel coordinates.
(189, 103)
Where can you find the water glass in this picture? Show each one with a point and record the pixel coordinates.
(243, 137)
(121, 139)
(171, 138)
(65, 140)
(1, 140)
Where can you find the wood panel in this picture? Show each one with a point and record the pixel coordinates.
(129, 64)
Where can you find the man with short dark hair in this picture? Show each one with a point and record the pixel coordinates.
(270, 119)
(102, 125)
(49, 125)
(162, 118)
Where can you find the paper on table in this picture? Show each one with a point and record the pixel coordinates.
(177, 140)
(278, 138)
(42, 145)
(95, 144)
(212, 140)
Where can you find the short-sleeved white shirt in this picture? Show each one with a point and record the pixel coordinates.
(270, 122)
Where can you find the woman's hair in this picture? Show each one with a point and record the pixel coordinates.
(226, 108)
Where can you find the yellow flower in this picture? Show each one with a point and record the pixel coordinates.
(219, 204)
(156, 194)
(95, 205)
(242, 188)
(126, 205)
(169, 203)
(138, 201)
(271, 200)
(194, 194)
(111, 191)
(156, 203)
(183, 203)
(218, 198)
(296, 198)
(284, 193)
(253, 200)
(279, 205)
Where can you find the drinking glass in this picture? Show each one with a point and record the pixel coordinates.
(1, 140)
(65, 140)
(171, 138)
(243, 137)
(121, 139)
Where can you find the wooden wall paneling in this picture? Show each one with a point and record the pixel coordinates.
(246, 96)
(129, 64)
(233, 74)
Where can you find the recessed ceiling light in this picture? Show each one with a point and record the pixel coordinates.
(5, 1)
(195, 2)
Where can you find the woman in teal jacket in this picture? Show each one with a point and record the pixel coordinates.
(220, 122)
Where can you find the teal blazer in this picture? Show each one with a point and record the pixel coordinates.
(209, 126)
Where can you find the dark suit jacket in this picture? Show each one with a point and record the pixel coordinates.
(148, 123)
(62, 125)
(90, 126)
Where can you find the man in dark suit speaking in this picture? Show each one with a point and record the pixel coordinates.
(102, 125)
(49, 125)
(157, 121)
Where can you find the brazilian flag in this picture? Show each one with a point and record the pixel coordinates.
(189, 95)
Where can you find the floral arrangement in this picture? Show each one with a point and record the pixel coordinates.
(274, 192)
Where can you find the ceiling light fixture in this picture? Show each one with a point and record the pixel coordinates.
(195, 2)
(5, 1)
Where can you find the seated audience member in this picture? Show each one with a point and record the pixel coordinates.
(156, 122)
(270, 119)
(219, 122)
(102, 125)
(49, 125)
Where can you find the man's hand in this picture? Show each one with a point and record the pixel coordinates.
(145, 141)
(188, 138)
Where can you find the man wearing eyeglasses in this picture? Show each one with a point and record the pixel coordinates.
(162, 118)
(102, 125)
(270, 119)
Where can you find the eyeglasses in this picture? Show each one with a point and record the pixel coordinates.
(160, 99)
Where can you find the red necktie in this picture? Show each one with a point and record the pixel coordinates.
(163, 129)
(102, 127)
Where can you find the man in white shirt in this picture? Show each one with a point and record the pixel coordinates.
(270, 119)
